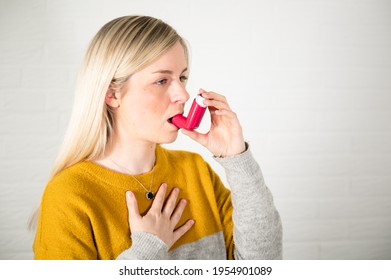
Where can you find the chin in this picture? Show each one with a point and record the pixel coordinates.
(168, 139)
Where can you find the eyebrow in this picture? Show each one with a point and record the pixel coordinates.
(167, 71)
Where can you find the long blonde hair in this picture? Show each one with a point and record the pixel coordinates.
(121, 47)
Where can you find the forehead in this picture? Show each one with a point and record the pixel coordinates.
(174, 60)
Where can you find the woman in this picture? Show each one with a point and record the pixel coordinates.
(116, 193)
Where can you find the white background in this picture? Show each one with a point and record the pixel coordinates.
(309, 80)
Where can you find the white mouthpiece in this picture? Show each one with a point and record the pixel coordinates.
(200, 101)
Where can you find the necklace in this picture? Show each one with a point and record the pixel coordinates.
(148, 193)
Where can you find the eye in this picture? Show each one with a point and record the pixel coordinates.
(183, 79)
(161, 82)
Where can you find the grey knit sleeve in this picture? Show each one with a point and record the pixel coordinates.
(257, 224)
(145, 246)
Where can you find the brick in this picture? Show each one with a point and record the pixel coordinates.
(31, 170)
(79, 29)
(24, 190)
(73, 9)
(2, 147)
(296, 209)
(308, 143)
(64, 53)
(371, 143)
(294, 79)
(371, 186)
(43, 147)
(64, 122)
(334, 57)
(12, 53)
(277, 121)
(25, 255)
(49, 77)
(313, 231)
(16, 244)
(73, 74)
(32, 101)
(24, 29)
(356, 250)
(301, 251)
(10, 77)
(376, 12)
(370, 229)
(20, 199)
(370, 79)
(20, 9)
(28, 124)
(290, 166)
(35, 29)
(358, 208)
(297, 34)
(206, 28)
(59, 101)
(354, 121)
(309, 187)
(373, 35)
(355, 165)
(309, 12)
(7, 216)
(333, 100)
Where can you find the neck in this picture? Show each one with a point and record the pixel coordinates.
(137, 157)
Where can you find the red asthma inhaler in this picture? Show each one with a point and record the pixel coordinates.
(193, 119)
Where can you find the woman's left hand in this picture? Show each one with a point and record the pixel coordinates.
(225, 137)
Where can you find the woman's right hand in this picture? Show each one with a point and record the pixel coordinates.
(161, 219)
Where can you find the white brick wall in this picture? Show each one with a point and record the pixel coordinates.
(310, 81)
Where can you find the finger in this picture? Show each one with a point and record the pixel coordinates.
(171, 201)
(132, 205)
(196, 136)
(213, 95)
(158, 202)
(227, 113)
(178, 233)
(177, 214)
(218, 104)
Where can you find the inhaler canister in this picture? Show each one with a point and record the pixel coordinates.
(193, 119)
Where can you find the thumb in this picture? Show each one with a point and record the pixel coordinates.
(132, 205)
(196, 136)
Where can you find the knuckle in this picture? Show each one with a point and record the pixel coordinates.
(176, 215)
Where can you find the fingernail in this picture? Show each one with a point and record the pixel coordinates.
(129, 194)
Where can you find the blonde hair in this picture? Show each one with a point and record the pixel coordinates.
(121, 47)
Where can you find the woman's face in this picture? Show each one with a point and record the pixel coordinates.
(151, 97)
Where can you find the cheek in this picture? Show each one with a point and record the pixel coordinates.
(148, 114)
(157, 104)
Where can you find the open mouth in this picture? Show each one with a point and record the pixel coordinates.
(170, 120)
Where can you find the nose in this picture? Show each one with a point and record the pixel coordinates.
(179, 94)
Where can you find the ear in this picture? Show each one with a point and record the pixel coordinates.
(112, 97)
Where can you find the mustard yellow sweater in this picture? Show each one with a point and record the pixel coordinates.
(83, 212)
